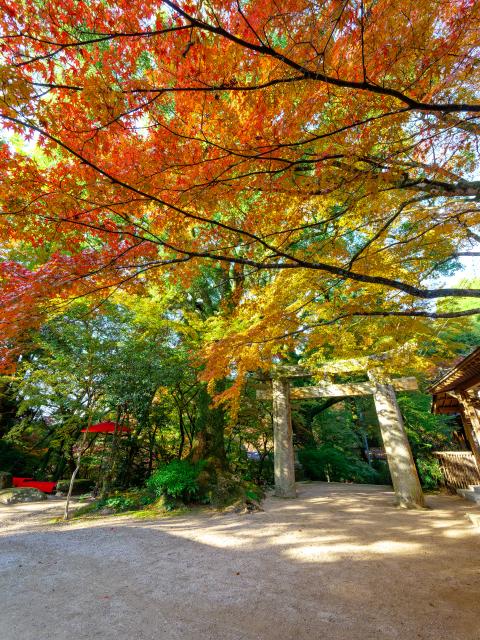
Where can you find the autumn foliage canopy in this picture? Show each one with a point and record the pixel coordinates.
(323, 155)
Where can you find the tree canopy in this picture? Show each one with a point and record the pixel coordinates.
(322, 154)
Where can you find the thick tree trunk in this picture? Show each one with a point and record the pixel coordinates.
(210, 442)
(128, 475)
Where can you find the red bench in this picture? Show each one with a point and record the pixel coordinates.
(42, 485)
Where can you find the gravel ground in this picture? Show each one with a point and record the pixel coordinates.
(340, 562)
(32, 514)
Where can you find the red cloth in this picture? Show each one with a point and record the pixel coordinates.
(45, 486)
(105, 427)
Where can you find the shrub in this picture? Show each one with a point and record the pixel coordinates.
(329, 463)
(119, 502)
(79, 486)
(253, 493)
(177, 480)
(430, 472)
(127, 501)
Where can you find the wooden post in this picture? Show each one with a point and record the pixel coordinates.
(283, 440)
(471, 423)
(399, 455)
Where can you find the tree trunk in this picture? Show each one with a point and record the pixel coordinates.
(60, 461)
(182, 432)
(210, 443)
(151, 448)
(111, 465)
(75, 471)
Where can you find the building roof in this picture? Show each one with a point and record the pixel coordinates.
(463, 376)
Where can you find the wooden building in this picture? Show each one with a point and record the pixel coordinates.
(458, 392)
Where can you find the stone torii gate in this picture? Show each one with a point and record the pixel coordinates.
(399, 455)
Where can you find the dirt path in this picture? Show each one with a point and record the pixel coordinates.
(338, 563)
(32, 515)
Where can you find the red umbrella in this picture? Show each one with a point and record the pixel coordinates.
(105, 427)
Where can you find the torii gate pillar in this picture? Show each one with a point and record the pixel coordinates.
(404, 474)
(284, 460)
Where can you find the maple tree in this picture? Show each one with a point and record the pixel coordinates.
(323, 154)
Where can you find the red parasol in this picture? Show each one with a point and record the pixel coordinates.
(105, 427)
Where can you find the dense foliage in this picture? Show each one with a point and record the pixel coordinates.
(322, 155)
(177, 480)
(334, 465)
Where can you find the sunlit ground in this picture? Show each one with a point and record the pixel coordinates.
(339, 562)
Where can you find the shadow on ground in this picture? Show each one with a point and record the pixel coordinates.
(339, 562)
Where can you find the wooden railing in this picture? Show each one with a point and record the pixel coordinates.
(459, 468)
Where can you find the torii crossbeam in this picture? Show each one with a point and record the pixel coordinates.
(399, 455)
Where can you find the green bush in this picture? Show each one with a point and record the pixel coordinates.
(430, 472)
(119, 502)
(128, 501)
(79, 486)
(329, 463)
(177, 480)
(253, 492)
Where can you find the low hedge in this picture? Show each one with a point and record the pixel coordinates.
(79, 486)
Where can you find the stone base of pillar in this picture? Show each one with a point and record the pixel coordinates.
(288, 492)
(409, 502)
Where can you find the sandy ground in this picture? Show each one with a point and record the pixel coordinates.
(339, 562)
